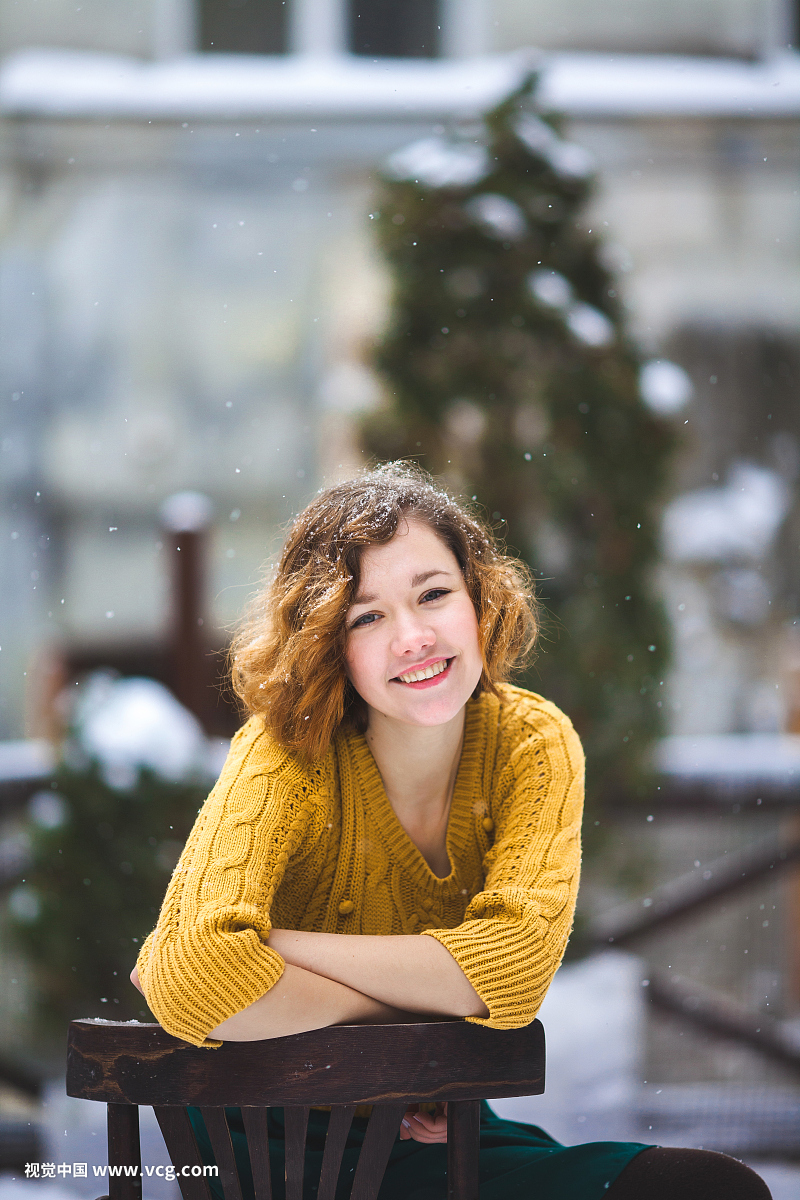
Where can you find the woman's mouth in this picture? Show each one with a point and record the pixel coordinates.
(427, 676)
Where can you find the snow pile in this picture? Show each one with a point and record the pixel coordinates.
(743, 595)
(588, 324)
(33, 758)
(550, 288)
(130, 724)
(24, 904)
(47, 809)
(436, 162)
(498, 216)
(564, 157)
(734, 522)
(187, 512)
(665, 387)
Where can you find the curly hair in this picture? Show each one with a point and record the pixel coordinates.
(288, 656)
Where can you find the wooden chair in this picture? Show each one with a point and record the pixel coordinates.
(388, 1066)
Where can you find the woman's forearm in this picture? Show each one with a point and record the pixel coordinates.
(299, 1001)
(417, 974)
(302, 1000)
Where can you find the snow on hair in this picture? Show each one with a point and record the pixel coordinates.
(288, 656)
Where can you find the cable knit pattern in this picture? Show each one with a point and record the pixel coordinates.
(320, 848)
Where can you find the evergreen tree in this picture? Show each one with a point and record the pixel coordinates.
(510, 373)
(100, 861)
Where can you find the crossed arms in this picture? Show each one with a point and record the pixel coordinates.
(341, 979)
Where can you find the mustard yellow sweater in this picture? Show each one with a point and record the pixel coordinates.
(320, 848)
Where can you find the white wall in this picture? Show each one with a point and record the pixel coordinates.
(119, 26)
(738, 27)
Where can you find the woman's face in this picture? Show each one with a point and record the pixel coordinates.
(412, 646)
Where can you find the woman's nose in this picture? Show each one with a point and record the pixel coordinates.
(411, 635)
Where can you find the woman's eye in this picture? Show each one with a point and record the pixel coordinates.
(364, 620)
(436, 594)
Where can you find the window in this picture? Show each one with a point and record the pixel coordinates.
(243, 26)
(391, 29)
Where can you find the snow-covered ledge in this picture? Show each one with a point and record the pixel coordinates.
(732, 757)
(69, 84)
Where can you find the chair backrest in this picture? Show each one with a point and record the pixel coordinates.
(387, 1066)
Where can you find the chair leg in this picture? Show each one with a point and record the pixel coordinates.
(463, 1141)
(124, 1150)
(176, 1130)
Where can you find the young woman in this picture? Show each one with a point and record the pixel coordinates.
(395, 833)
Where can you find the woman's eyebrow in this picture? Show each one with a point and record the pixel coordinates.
(421, 578)
(363, 598)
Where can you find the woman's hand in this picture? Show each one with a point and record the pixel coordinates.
(425, 1126)
(135, 980)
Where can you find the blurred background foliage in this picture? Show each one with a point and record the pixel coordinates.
(94, 888)
(102, 843)
(510, 373)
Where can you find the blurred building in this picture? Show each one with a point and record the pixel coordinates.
(189, 288)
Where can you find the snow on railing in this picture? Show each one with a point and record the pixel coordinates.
(53, 83)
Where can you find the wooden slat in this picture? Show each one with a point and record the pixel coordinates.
(363, 1064)
(463, 1141)
(124, 1150)
(335, 1142)
(183, 1151)
(220, 1137)
(295, 1121)
(257, 1129)
(378, 1141)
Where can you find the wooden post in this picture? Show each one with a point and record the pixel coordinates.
(186, 518)
(791, 685)
(792, 925)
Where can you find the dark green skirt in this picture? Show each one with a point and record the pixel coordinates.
(517, 1162)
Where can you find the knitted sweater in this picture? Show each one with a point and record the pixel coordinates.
(319, 847)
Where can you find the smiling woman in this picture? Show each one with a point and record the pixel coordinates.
(289, 656)
(395, 833)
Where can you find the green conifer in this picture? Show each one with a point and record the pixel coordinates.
(510, 373)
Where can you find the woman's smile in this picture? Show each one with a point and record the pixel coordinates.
(426, 674)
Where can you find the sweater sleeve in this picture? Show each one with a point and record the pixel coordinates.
(206, 958)
(516, 929)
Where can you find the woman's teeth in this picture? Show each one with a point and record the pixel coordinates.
(428, 673)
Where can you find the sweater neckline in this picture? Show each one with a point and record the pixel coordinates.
(462, 805)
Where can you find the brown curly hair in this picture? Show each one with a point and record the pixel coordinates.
(288, 657)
